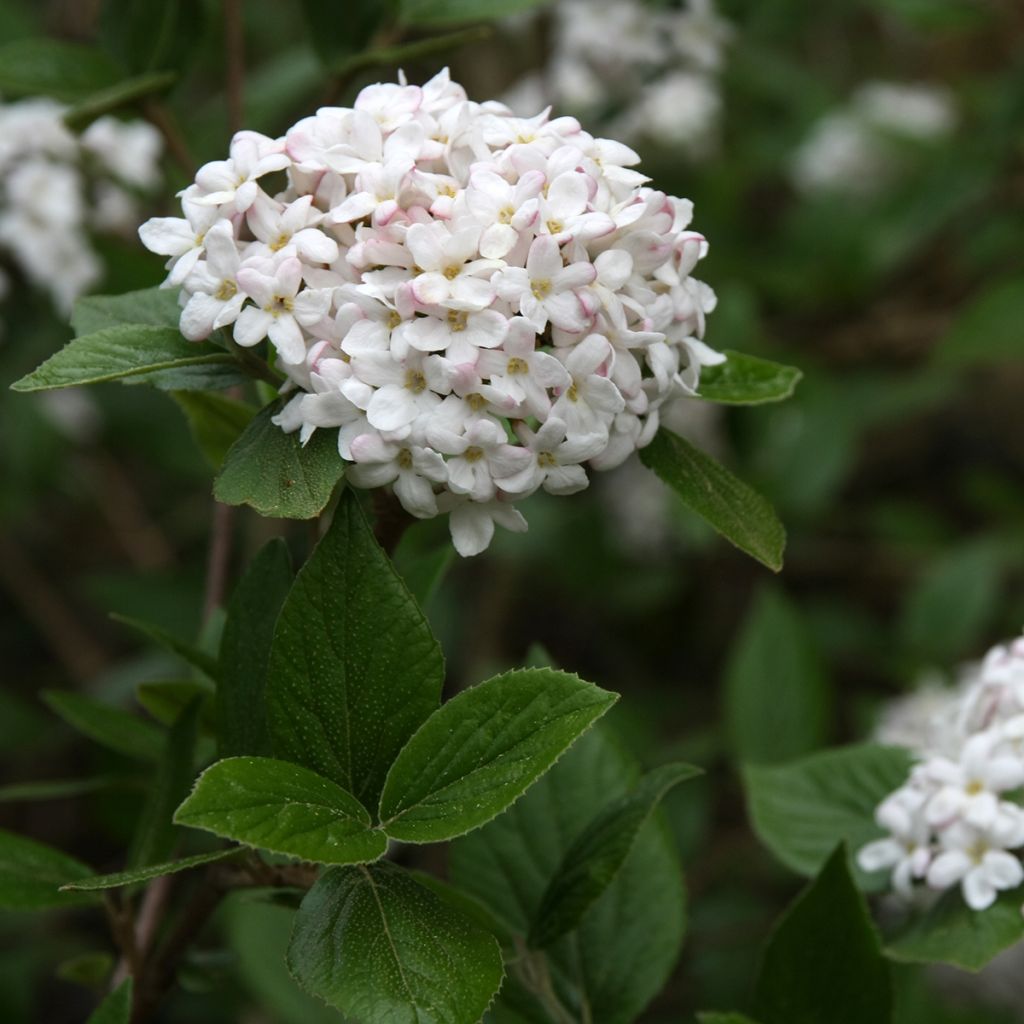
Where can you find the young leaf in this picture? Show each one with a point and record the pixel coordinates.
(193, 655)
(747, 380)
(735, 510)
(109, 726)
(482, 749)
(628, 940)
(245, 651)
(157, 307)
(276, 474)
(354, 670)
(31, 874)
(949, 932)
(800, 810)
(595, 858)
(116, 1008)
(823, 961)
(123, 352)
(216, 421)
(119, 878)
(283, 808)
(49, 67)
(381, 948)
(777, 699)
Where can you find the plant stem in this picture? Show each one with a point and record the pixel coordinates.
(234, 53)
(390, 520)
(160, 117)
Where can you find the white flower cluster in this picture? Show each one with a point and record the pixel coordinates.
(55, 188)
(482, 303)
(648, 72)
(957, 817)
(859, 149)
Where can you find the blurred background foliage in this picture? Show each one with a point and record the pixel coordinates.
(896, 467)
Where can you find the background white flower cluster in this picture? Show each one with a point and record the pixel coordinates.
(55, 188)
(649, 73)
(957, 817)
(482, 303)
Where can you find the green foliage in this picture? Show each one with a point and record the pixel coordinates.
(736, 511)
(245, 650)
(116, 1008)
(156, 307)
(165, 699)
(152, 35)
(482, 749)
(724, 1018)
(747, 380)
(109, 726)
(777, 699)
(823, 962)
(949, 932)
(381, 948)
(276, 474)
(283, 808)
(216, 421)
(49, 67)
(31, 874)
(346, 30)
(354, 670)
(121, 878)
(591, 864)
(988, 329)
(801, 809)
(53, 789)
(628, 940)
(127, 91)
(193, 655)
(444, 12)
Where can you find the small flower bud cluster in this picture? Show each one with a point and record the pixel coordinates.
(957, 816)
(482, 303)
(55, 188)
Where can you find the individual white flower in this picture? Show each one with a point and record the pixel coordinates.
(216, 300)
(907, 850)
(182, 239)
(472, 524)
(413, 470)
(232, 182)
(979, 861)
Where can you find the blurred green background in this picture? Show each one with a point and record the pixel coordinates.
(897, 468)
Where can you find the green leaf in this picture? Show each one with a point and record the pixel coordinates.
(157, 307)
(245, 651)
(595, 858)
(91, 970)
(735, 510)
(122, 352)
(116, 1008)
(112, 98)
(155, 834)
(949, 932)
(354, 670)
(193, 655)
(335, 38)
(800, 810)
(444, 12)
(777, 699)
(384, 950)
(120, 878)
(482, 749)
(714, 1017)
(165, 699)
(988, 329)
(823, 961)
(275, 474)
(628, 940)
(109, 726)
(31, 874)
(53, 789)
(283, 808)
(747, 380)
(48, 67)
(147, 35)
(216, 421)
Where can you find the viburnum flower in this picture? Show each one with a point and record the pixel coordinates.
(481, 305)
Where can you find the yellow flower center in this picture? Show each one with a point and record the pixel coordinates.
(476, 402)
(280, 242)
(452, 272)
(457, 320)
(573, 392)
(280, 304)
(547, 460)
(505, 216)
(555, 227)
(227, 290)
(415, 381)
(473, 454)
(517, 366)
(405, 459)
(394, 319)
(541, 289)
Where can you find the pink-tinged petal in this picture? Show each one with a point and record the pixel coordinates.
(470, 293)
(544, 260)
(567, 312)
(497, 241)
(287, 338)
(259, 287)
(167, 236)
(588, 356)
(371, 474)
(425, 244)
(251, 326)
(428, 334)
(430, 289)
(391, 408)
(416, 495)
(576, 276)
(373, 448)
(355, 207)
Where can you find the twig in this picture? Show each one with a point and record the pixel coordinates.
(160, 117)
(218, 558)
(234, 53)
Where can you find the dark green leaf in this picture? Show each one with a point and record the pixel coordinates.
(283, 808)
(334, 38)
(53, 789)
(481, 750)
(49, 67)
(802, 809)
(216, 421)
(150, 35)
(165, 699)
(777, 699)
(354, 670)
(193, 655)
(714, 1017)
(735, 510)
(592, 862)
(245, 650)
(91, 970)
(949, 932)
(116, 1008)
(109, 726)
(31, 874)
(122, 352)
(747, 380)
(275, 474)
(988, 329)
(443, 12)
(157, 307)
(105, 101)
(120, 878)
(628, 940)
(384, 950)
(823, 961)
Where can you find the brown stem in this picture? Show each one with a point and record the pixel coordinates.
(218, 558)
(390, 520)
(234, 52)
(160, 117)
